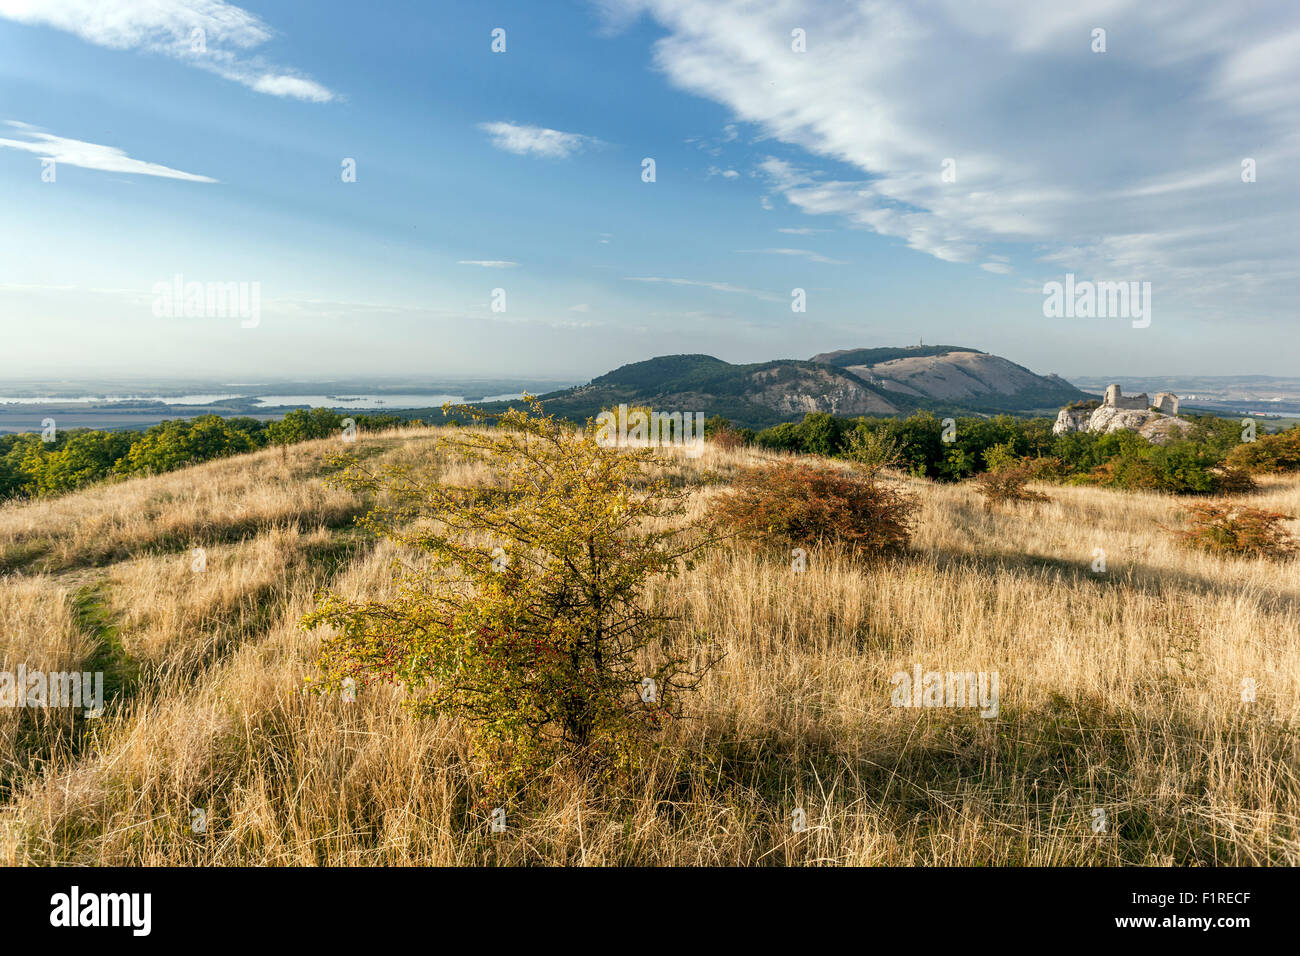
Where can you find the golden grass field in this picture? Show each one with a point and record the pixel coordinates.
(1119, 692)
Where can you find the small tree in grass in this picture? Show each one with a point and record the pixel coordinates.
(1237, 530)
(531, 624)
(791, 503)
(873, 451)
(1008, 482)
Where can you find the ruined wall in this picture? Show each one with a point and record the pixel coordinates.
(1115, 399)
(1132, 414)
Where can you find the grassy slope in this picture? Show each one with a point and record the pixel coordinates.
(1119, 692)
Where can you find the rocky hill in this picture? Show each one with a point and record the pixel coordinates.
(948, 374)
(755, 395)
(886, 381)
(1157, 422)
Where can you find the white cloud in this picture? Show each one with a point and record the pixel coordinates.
(203, 33)
(536, 140)
(715, 286)
(488, 263)
(75, 152)
(800, 253)
(292, 86)
(1128, 159)
(998, 268)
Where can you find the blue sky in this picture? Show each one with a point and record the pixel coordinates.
(776, 169)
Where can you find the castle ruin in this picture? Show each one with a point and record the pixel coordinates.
(1166, 402)
(1157, 421)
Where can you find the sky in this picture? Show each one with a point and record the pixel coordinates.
(461, 189)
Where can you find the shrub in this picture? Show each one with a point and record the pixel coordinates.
(783, 437)
(532, 628)
(77, 459)
(1007, 483)
(873, 450)
(798, 504)
(1232, 481)
(957, 463)
(822, 433)
(1237, 530)
(1131, 462)
(303, 424)
(175, 444)
(1001, 455)
(920, 438)
(1268, 454)
(728, 439)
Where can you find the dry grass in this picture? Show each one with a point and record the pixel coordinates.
(1120, 691)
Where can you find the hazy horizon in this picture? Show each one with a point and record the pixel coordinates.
(164, 378)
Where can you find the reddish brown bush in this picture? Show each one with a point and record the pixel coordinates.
(727, 439)
(1008, 483)
(1237, 530)
(800, 505)
(1230, 480)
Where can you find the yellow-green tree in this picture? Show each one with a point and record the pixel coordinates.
(530, 620)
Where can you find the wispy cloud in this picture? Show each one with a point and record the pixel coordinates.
(536, 140)
(800, 253)
(1180, 99)
(209, 34)
(715, 286)
(488, 263)
(75, 152)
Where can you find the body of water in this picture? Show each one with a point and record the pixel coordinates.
(109, 399)
(375, 401)
(346, 400)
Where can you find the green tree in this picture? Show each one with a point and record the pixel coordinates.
(533, 626)
(303, 424)
(79, 458)
(821, 432)
(175, 444)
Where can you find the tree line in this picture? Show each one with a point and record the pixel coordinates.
(1216, 456)
(31, 465)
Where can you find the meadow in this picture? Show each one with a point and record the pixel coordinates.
(1125, 733)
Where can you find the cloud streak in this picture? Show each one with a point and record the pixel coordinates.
(76, 152)
(524, 140)
(715, 286)
(799, 253)
(211, 35)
